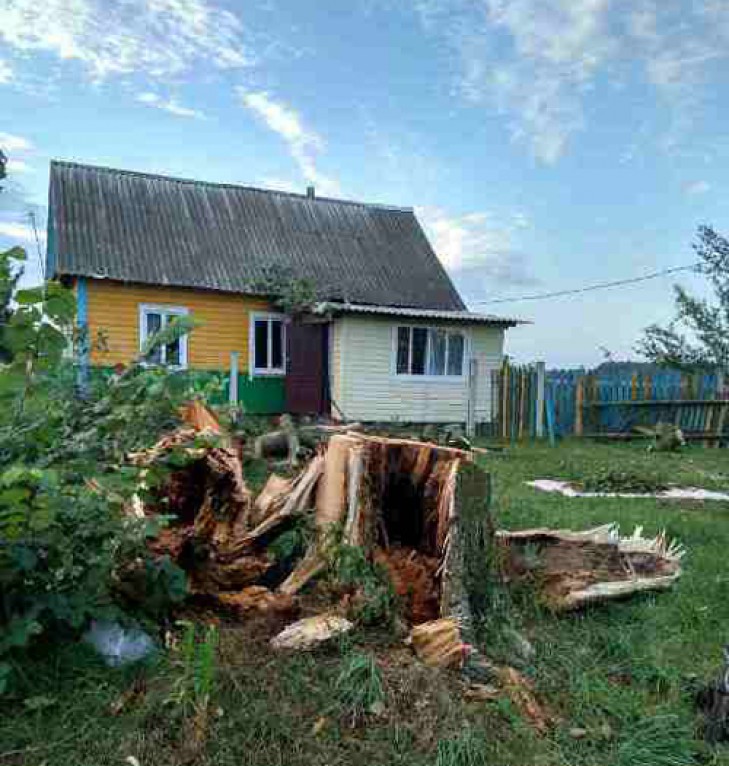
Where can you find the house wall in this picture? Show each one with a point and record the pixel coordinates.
(365, 387)
(112, 311)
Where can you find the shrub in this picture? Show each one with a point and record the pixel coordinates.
(65, 541)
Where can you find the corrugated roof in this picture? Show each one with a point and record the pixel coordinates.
(416, 313)
(154, 229)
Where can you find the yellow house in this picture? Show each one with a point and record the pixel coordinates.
(390, 337)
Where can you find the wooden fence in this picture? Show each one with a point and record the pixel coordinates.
(530, 403)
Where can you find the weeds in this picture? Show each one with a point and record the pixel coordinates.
(197, 666)
(659, 741)
(354, 570)
(193, 689)
(359, 687)
(468, 749)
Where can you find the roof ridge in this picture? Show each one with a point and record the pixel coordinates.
(258, 189)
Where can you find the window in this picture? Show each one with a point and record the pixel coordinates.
(268, 337)
(429, 351)
(152, 319)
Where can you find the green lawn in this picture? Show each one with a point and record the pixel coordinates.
(624, 672)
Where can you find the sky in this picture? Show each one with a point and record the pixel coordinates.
(544, 144)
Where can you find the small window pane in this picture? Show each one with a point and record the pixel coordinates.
(173, 353)
(456, 346)
(260, 350)
(437, 358)
(420, 345)
(154, 322)
(153, 326)
(403, 350)
(276, 344)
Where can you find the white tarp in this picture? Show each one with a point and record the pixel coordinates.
(675, 493)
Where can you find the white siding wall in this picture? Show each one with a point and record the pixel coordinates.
(365, 387)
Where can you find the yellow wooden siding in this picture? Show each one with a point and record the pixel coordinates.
(113, 311)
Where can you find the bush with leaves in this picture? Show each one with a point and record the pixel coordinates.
(65, 541)
(352, 569)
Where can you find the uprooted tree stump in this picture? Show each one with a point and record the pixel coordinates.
(395, 499)
(417, 511)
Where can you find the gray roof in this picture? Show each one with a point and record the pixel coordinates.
(468, 317)
(153, 229)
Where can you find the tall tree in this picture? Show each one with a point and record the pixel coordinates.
(699, 334)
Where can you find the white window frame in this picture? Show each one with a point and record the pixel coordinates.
(425, 376)
(166, 312)
(268, 316)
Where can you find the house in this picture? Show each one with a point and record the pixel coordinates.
(391, 338)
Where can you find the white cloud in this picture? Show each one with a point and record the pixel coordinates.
(160, 38)
(6, 73)
(19, 232)
(479, 246)
(304, 144)
(17, 166)
(13, 143)
(169, 105)
(537, 60)
(693, 188)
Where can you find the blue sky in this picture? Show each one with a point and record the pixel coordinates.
(545, 144)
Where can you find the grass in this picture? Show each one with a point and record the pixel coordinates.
(360, 686)
(625, 673)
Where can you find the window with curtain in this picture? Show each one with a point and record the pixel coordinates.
(429, 351)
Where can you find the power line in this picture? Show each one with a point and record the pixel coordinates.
(590, 288)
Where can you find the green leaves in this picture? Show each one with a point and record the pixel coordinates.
(66, 545)
(172, 331)
(699, 335)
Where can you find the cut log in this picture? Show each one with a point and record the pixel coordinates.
(256, 599)
(309, 567)
(438, 643)
(277, 443)
(309, 633)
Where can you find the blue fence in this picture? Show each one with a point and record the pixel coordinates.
(582, 403)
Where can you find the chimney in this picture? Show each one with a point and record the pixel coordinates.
(310, 192)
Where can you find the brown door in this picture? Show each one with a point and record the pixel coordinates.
(307, 367)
